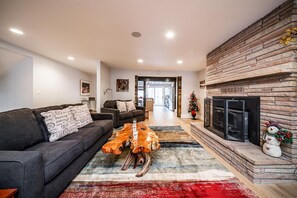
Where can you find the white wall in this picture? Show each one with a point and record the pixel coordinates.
(201, 94)
(16, 86)
(105, 83)
(53, 82)
(189, 83)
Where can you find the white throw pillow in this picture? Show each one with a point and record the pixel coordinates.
(130, 106)
(121, 106)
(59, 123)
(82, 115)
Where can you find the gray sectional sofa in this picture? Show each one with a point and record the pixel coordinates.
(120, 118)
(38, 168)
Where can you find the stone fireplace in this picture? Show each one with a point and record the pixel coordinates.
(253, 63)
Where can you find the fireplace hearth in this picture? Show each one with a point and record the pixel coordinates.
(233, 118)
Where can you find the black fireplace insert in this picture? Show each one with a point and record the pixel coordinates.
(233, 118)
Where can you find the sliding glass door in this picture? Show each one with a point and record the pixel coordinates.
(159, 96)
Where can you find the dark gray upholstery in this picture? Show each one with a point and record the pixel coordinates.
(120, 118)
(67, 105)
(22, 170)
(57, 155)
(74, 168)
(104, 125)
(110, 104)
(102, 116)
(137, 113)
(42, 168)
(88, 136)
(122, 122)
(126, 115)
(19, 130)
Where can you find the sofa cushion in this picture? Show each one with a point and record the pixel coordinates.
(121, 106)
(130, 106)
(57, 155)
(88, 135)
(19, 130)
(40, 119)
(126, 115)
(59, 123)
(110, 104)
(137, 113)
(82, 115)
(106, 125)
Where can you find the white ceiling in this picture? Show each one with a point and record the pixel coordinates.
(93, 30)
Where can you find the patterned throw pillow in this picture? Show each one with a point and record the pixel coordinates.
(130, 106)
(82, 115)
(121, 106)
(59, 123)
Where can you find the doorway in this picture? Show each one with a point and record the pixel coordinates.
(158, 92)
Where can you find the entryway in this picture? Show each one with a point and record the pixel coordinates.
(159, 94)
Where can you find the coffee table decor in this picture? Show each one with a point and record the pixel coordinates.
(140, 139)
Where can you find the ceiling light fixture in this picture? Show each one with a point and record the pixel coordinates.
(136, 34)
(16, 31)
(179, 61)
(140, 60)
(70, 58)
(170, 35)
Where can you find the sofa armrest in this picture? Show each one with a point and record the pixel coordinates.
(116, 115)
(139, 108)
(22, 170)
(102, 116)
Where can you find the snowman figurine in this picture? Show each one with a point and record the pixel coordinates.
(271, 146)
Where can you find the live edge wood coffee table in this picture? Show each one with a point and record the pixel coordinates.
(7, 193)
(140, 149)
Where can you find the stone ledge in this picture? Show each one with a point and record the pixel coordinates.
(247, 158)
(287, 68)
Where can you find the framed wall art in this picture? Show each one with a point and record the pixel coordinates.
(202, 84)
(85, 88)
(122, 85)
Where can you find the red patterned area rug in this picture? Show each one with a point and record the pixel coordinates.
(181, 168)
(163, 189)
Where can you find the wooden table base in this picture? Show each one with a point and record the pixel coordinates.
(146, 142)
(139, 159)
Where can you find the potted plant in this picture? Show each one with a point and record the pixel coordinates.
(193, 105)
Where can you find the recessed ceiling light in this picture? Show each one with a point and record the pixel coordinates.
(179, 61)
(170, 35)
(136, 34)
(16, 31)
(140, 60)
(70, 58)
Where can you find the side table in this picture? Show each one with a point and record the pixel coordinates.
(7, 193)
(147, 114)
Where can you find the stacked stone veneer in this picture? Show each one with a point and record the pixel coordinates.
(246, 158)
(254, 63)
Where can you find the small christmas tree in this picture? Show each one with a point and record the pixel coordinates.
(193, 106)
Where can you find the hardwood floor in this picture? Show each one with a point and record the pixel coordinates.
(161, 116)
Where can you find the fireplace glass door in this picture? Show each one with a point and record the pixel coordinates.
(228, 118)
